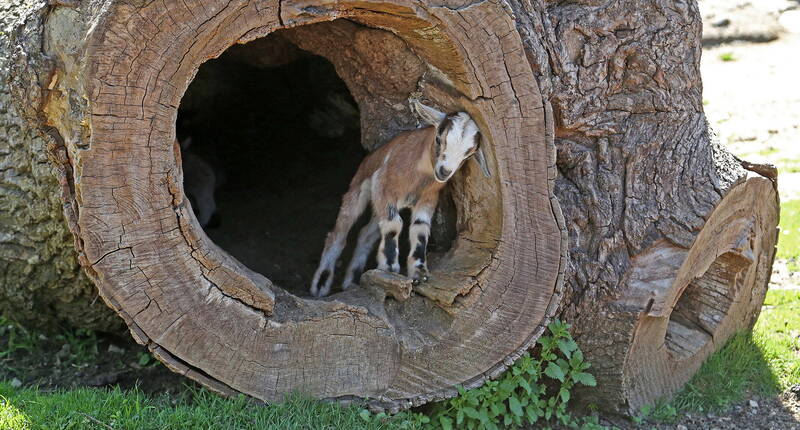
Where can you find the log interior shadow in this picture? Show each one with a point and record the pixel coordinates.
(282, 133)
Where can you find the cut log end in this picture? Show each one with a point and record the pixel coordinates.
(214, 319)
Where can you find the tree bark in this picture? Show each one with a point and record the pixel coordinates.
(647, 194)
(670, 240)
(41, 284)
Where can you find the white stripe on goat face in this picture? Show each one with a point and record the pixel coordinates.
(456, 140)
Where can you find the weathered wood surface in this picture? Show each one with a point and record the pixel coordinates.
(650, 202)
(387, 284)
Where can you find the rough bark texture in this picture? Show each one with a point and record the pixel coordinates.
(41, 283)
(638, 170)
(661, 221)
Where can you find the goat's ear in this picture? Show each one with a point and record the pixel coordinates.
(186, 143)
(428, 114)
(480, 157)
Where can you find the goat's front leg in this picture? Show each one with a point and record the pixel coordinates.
(367, 237)
(391, 224)
(418, 234)
(353, 204)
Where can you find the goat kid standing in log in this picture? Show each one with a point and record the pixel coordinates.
(407, 172)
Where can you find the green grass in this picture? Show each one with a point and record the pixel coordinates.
(788, 165)
(727, 56)
(101, 409)
(789, 240)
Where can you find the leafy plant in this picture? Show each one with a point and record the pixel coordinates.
(533, 389)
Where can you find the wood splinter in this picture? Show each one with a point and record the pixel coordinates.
(387, 283)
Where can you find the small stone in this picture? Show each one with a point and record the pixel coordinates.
(64, 351)
(753, 404)
(681, 427)
(722, 23)
(114, 349)
(16, 383)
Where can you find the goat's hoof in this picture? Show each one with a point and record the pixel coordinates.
(420, 278)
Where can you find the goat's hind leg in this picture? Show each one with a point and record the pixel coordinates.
(353, 204)
(367, 237)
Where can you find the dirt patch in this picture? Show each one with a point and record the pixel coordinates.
(784, 278)
(781, 413)
(82, 359)
(751, 95)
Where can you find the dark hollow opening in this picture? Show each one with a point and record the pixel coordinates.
(703, 305)
(277, 131)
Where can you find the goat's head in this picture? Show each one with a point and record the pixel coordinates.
(457, 138)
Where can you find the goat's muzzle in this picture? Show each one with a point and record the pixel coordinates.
(442, 174)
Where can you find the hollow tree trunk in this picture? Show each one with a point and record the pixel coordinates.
(670, 240)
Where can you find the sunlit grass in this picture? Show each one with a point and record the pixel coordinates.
(10, 417)
(777, 334)
(762, 363)
(789, 240)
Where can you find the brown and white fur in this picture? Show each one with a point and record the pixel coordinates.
(407, 172)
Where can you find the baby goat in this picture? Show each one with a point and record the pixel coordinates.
(200, 181)
(407, 172)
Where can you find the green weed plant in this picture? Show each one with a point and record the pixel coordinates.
(534, 389)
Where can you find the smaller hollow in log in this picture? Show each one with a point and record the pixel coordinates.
(703, 305)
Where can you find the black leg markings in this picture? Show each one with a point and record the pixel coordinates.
(322, 278)
(356, 273)
(390, 247)
(419, 251)
(391, 212)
